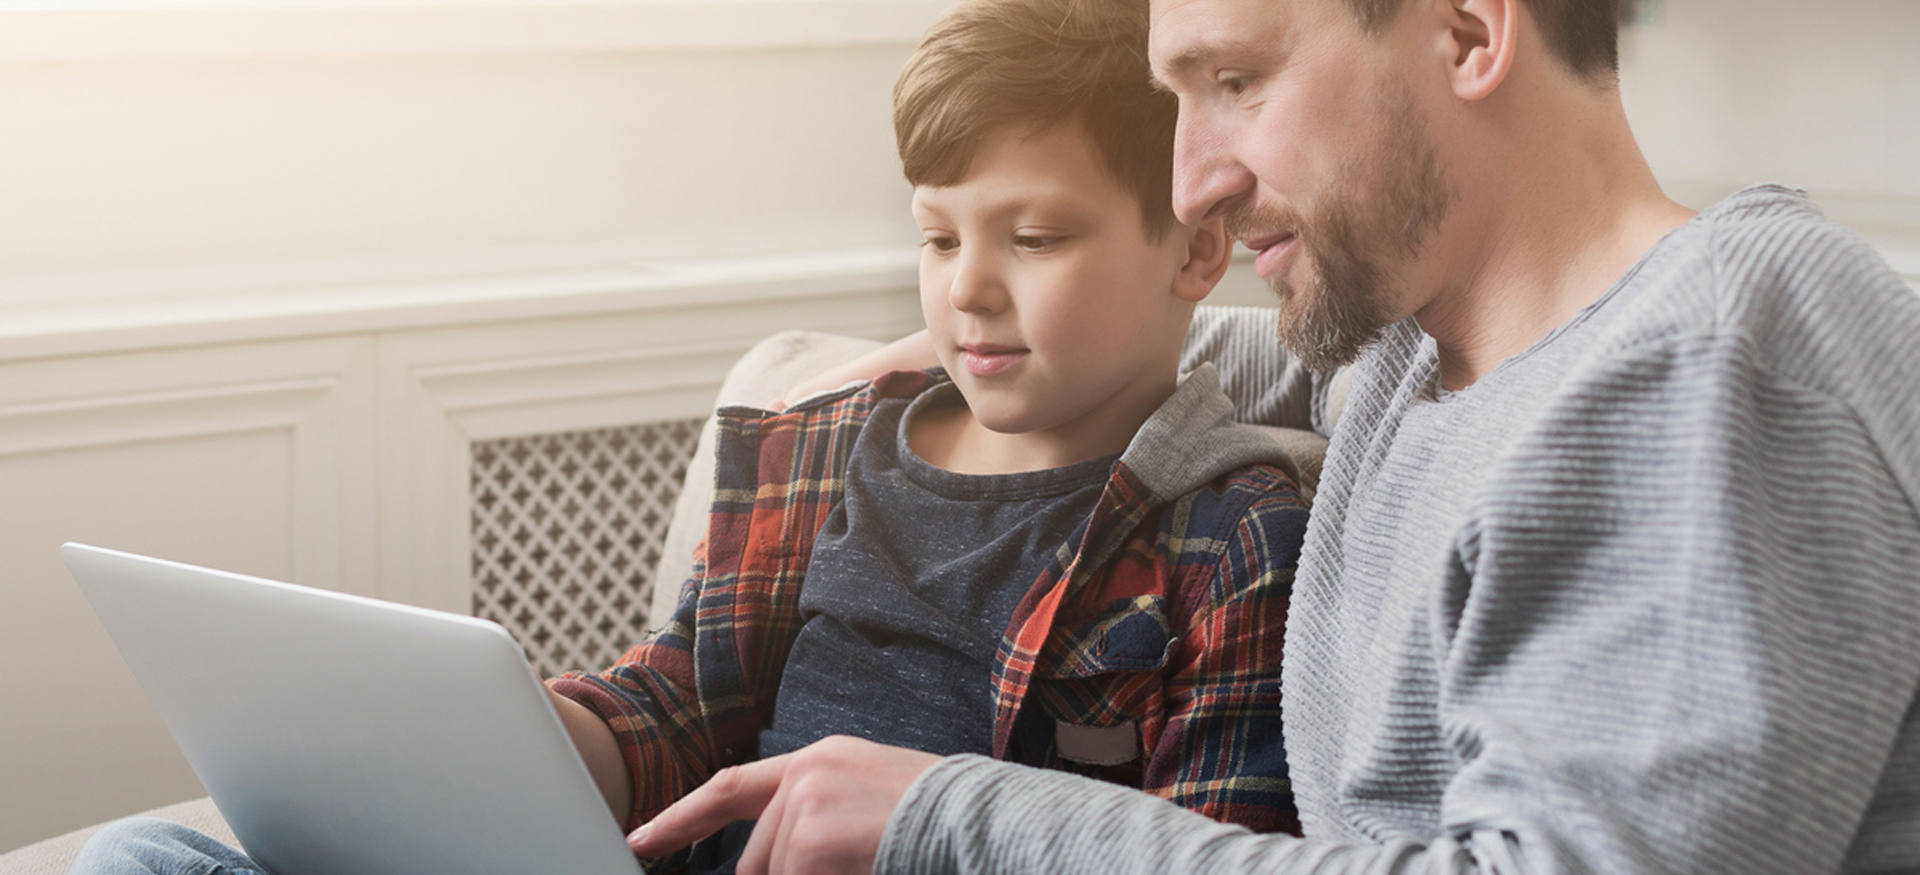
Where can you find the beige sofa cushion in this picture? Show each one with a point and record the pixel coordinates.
(52, 856)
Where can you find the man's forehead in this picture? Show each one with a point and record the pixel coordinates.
(1188, 33)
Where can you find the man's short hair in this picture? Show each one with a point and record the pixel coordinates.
(1583, 34)
(986, 65)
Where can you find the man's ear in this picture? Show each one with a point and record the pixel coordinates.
(1482, 38)
(1208, 253)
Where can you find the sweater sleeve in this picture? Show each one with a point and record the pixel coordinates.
(1267, 386)
(974, 815)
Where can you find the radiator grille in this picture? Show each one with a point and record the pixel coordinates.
(566, 532)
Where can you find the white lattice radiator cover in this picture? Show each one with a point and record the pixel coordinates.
(566, 532)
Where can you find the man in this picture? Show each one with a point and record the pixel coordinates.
(1612, 563)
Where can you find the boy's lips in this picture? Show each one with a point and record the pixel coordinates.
(1271, 253)
(986, 359)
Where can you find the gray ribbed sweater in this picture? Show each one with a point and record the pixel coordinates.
(1645, 598)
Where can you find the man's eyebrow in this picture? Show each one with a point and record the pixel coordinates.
(1182, 64)
(1199, 56)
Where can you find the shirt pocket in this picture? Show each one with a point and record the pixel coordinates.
(1099, 682)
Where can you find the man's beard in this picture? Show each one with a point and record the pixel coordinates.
(1377, 212)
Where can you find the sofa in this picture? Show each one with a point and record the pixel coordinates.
(762, 374)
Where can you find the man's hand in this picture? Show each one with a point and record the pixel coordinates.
(911, 353)
(821, 809)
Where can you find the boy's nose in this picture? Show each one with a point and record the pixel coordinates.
(978, 285)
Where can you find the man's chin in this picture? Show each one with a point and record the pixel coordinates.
(1319, 342)
(1326, 358)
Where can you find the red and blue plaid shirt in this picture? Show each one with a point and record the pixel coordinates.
(1148, 652)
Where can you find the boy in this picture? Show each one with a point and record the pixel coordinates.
(1058, 551)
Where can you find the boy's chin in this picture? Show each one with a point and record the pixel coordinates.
(1001, 416)
(1000, 422)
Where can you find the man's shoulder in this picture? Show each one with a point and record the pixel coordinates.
(1768, 246)
(1765, 270)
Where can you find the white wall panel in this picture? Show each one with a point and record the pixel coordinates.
(1821, 96)
(256, 459)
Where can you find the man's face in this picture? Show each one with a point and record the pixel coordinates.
(1301, 131)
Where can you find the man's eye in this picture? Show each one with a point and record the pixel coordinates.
(1235, 84)
(941, 244)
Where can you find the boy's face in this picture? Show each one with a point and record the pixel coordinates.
(1046, 301)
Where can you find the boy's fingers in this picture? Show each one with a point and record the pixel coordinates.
(736, 793)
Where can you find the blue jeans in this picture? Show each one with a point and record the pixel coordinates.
(150, 846)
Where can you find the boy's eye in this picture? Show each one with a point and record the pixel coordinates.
(1034, 242)
(941, 244)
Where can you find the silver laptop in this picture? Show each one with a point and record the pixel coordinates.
(340, 734)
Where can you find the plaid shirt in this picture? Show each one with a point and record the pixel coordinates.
(1148, 652)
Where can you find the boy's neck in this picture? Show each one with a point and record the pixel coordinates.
(947, 436)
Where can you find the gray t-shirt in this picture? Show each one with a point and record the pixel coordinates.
(1645, 598)
(910, 587)
(912, 583)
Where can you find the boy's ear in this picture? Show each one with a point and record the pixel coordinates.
(1481, 36)
(1208, 253)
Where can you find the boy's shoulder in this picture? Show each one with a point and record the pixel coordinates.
(1193, 443)
(1256, 496)
(849, 403)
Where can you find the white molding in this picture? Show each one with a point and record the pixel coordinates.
(442, 390)
(126, 419)
(77, 30)
(79, 315)
(579, 392)
(331, 472)
(451, 407)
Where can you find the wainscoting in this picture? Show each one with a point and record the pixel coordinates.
(512, 456)
(567, 529)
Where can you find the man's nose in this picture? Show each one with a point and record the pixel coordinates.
(1208, 181)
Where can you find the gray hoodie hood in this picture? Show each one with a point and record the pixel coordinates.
(1192, 439)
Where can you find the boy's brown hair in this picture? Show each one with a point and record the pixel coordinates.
(1032, 64)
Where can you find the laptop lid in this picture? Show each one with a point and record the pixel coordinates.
(342, 734)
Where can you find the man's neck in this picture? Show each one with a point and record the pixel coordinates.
(1562, 218)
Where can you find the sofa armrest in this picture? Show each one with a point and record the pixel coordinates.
(54, 855)
(763, 374)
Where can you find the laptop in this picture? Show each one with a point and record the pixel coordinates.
(341, 734)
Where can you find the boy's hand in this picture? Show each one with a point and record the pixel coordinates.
(821, 809)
